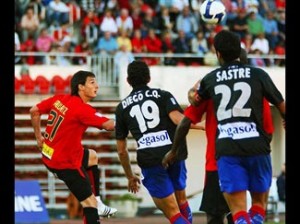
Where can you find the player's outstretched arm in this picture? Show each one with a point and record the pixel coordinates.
(181, 132)
(36, 124)
(133, 180)
(109, 125)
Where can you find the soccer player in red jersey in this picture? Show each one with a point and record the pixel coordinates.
(69, 116)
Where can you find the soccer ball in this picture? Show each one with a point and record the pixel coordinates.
(212, 11)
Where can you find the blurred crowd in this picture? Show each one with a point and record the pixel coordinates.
(111, 27)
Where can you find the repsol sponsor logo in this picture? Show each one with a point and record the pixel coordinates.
(154, 139)
(238, 130)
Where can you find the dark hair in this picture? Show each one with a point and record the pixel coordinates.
(228, 44)
(79, 78)
(243, 56)
(138, 73)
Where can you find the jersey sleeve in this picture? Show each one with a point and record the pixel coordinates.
(121, 129)
(195, 113)
(91, 117)
(271, 92)
(170, 102)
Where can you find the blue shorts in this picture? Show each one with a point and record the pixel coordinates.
(240, 173)
(161, 182)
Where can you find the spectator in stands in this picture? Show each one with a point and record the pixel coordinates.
(57, 13)
(44, 44)
(271, 29)
(165, 23)
(136, 18)
(137, 42)
(280, 182)
(239, 24)
(182, 45)
(29, 46)
(247, 42)
(107, 44)
(261, 43)
(82, 47)
(168, 48)
(199, 45)
(187, 22)
(108, 24)
(60, 144)
(152, 44)
(124, 22)
(29, 24)
(149, 23)
(257, 59)
(255, 25)
(90, 27)
(122, 58)
(123, 39)
(210, 58)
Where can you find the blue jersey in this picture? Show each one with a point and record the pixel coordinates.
(145, 114)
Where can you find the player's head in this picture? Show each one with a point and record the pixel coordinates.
(227, 45)
(138, 73)
(243, 56)
(79, 77)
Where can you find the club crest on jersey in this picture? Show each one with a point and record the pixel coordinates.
(154, 139)
(238, 130)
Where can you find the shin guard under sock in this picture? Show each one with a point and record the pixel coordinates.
(94, 175)
(241, 217)
(90, 216)
(178, 219)
(185, 210)
(257, 214)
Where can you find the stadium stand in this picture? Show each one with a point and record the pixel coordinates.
(58, 84)
(42, 84)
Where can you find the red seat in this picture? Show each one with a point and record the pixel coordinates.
(28, 84)
(18, 85)
(42, 84)
(68, 83)
(58, 84)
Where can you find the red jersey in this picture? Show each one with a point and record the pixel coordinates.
(195, 115)
(68, 119)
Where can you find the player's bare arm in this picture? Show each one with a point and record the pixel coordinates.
(181, 132)
(36, 124)
(133, 180)
(281, 108)
(193, 96)
(109, 125)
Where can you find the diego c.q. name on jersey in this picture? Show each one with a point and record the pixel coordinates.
(139, 96)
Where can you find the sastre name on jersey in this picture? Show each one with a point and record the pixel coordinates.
(238, 130)
(233, 73)
(154, 139)
(139, 96)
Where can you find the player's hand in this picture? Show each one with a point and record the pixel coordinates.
(193, 97)
(40, 142)
(169, 159)
(134, 184)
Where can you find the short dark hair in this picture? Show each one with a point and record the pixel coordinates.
(243, 56)
(138, 73)
(228, 44)
(79, 78)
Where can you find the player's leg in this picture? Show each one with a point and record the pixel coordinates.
(234, 186)
(260, 179)
(213, 202)
(78, 183)
(177, 172)
(90, 162)
(159, 185)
